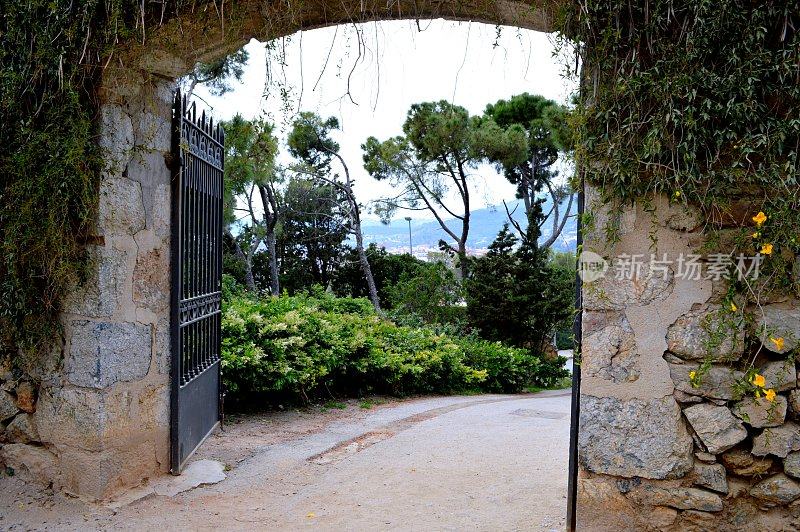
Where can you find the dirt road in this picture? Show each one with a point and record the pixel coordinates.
(488, 462)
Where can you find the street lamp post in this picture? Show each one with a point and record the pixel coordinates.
(410, 246)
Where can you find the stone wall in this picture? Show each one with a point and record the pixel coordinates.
(656, 450)
(99, 421)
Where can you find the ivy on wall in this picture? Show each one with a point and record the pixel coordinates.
(698, 100)
(51, 52)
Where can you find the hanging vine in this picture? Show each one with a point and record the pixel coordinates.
(699, 100)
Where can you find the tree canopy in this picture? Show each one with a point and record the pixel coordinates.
(534, 135)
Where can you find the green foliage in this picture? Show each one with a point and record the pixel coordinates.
(49, 160)
(432, 293)
(312, 233)
(218, 74)
(515, 296)
(310, 141)
(440, 147)
(387, 269)
(250, 151)
(313, 345)
(540, 124)
(698, 98)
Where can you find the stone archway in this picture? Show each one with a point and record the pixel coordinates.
(103, 415)
(103, 419)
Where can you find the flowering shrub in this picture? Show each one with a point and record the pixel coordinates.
(306, 346)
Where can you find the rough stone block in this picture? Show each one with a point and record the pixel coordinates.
(634, 438)
(116, 138)
(705, 457)
(35, 462)
(780, 320)
(685, 398)
(777, 488)
(716, 426)
(26, 397)
(152, 131)
(162, 347)
(8, 407)
(102, 353)
(99, 296)
(609, 293)
(760, 413)
(794, 403)
(780, 375)
(149, 170)
(610, 353)
(778, 441)
(151, 280)
(694, 337)
(121, 210)
(112, 471)
(741, 462)
(22, 429)
(683, 498)
(718, 383)
(662, 517)
(791, 465)
(711, 476)
(71, 416)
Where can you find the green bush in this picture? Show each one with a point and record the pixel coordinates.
(298, 348)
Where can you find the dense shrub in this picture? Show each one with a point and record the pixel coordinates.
(302, 347)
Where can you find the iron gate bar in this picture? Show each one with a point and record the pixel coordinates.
(196, 294)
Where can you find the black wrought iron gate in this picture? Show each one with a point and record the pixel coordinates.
(197, 190)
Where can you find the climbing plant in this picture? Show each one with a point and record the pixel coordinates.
(699, 100)
(52, 54)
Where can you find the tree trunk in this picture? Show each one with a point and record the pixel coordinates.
(365, 267)
(274, 284)
(249, 280)
(190, 90)
(355, 227)
(270, 205)
(462, 259)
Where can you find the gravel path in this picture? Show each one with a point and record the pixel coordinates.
(488, 462)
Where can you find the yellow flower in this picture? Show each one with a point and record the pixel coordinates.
(766, 249)
(692, 375)
(734, 308)
(770, 395)
(778, 342)
(760, 218)
(758, 380)
(677, 193)
(756, 234)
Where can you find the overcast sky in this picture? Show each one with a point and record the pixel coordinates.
(468, 64)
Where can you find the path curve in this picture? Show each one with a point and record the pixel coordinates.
(491, 462)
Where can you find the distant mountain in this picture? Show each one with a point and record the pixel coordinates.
(484, 225)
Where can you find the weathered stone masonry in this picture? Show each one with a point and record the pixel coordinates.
(101, 421)
(657, 452)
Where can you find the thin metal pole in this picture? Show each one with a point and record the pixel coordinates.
(410, 246)
(572, 485)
